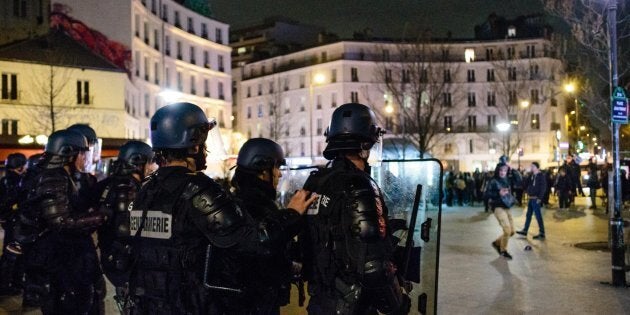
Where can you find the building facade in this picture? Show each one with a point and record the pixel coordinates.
(51, 82)
(464, 90)
(176, 54)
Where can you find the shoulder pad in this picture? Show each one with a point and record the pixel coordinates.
(214, 205)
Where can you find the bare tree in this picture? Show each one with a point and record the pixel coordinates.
(587, 19)
(419, 95)
(520, 85)
(278, 122)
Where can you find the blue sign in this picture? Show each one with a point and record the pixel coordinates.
(619, 106)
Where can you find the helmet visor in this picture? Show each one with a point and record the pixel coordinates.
(376, 152)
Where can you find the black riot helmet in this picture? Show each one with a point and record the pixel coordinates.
(33, 160)
(86, 131)
(66, 143)
(352, 127)
(135, 153)
(15, 161)
(260, 154)
(179, 126)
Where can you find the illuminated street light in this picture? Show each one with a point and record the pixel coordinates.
(572, 112)
(582, 127)
(389, 109)
(41, 139)
(524, 104)
(503, 127)
(170, 96)
(569, 87)
(26, 140)
(319, 78)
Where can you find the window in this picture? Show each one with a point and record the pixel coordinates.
(167, 45)
(302, 131)
(260, 111)
(445, 54)
(83, 92)
(531, 51)
(218, 35)
(146, 32)
(424, 76)
(533, 72)
(249, 91)
(180, 85)
(137, 63)
(302, 103)
(156, 39)
(492, 121)
(512, 99)
(511, 31)
(448, 123)
(512, 73)
(179, 50)
(271, 85)
(354, 97)
(192, 55)
(147, 105)
(513, 119)
(333, 76)
(490, 75)
(177, 23)
(469, 55)
(535, 145)
(9, 86)
(167, 77)
(302, 81)
(354, 75)
(534, 96)
(472, 99)
(259, 89)
(333, 100)
(511, 52)
(193, 85)
(249, 112)
(448, 148)
(489, 54)
(388, 75)
(302, 146)
(319, 101)
(324, 56)
(472, 123)
(156, 71)
(385, 55)
(191, 26)
(165, 13)
(220, 119)
(447, 75)
(535, 123)
(204, 30)
(146, 68)
(153, 6)
(287, 108)
(206, 88)
(286, 84)
(492, 98)
(19, 8)
(220, 62)
(9, 127)
(446, 99)
(220, 88)
(206, 59)
(471, 75)
(320, 127)
(137, 25)
(405, 76)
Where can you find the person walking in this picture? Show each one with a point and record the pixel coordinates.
(536, 188)
(500, 200)
(592, 182)
(563, 189)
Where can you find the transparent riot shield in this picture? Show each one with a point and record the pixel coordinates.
(401, 181)
(413, 191)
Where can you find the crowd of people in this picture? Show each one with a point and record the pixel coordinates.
(173, 241)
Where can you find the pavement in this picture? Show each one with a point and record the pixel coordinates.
(555, 277)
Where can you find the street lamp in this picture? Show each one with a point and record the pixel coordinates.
(170, 96)
(524, 104)
(571, 89)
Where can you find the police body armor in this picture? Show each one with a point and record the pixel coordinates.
(116, 194)
(349, 245)
(62, 259)
(175, 217)
(10, 278)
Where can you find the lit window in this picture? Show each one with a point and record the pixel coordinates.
(469, 55)
(511, 31)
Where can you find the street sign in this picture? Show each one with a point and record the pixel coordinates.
(619, 106)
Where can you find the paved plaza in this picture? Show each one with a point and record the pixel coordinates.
(555, 277)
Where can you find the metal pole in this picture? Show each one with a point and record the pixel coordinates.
(577, 120)
(616, 221)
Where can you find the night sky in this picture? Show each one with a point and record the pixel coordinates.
(386, 18)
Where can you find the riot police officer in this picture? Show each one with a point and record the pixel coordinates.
(349, 246)
(115, 195)
(255, 180)
(15, 166)
(188, 234)
(62, 257)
